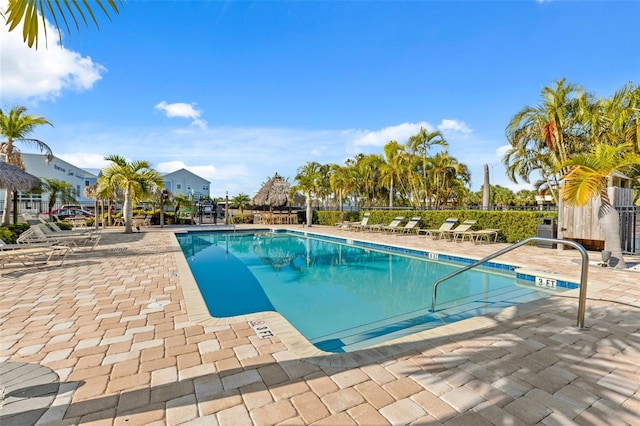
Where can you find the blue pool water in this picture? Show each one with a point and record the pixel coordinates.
(342, 295)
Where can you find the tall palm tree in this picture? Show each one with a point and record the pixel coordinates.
(588, 176)
(28, 13)
(16, 126)
(448, 177)
(136, 178)
(58, 189)
(340, 183)
(391, 170)
(308, 180)
(419, 145)
(543, 136)
(368, 172)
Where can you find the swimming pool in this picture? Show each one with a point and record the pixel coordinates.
(343, 295)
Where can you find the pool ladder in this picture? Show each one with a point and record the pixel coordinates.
(582, 298)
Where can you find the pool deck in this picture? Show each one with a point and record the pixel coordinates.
(116, 336)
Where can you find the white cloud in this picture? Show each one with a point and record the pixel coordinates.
(454, 126)
(85, 160)
(42, 74)
(401, 133)
(183, 110)
(502, 150)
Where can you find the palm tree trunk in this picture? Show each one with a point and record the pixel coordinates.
(127, 210)
(309, 210)
(6, 214)
(14, 208)
(610, 224)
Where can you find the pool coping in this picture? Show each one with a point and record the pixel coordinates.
(198, 312)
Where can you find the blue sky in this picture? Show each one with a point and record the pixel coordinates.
(237, 91)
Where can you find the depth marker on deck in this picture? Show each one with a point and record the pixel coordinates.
(262, 329)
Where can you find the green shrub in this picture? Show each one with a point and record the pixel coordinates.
(65, 226)
(10, 233)
(7, 236)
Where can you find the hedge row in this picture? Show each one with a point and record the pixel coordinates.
(513, 225)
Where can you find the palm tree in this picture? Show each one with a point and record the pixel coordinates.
(309, 179)
(448, 178)
(135, 178)
(29, 12)
(340, 183)
(391, 170)
(588, 176)
(543, 136)
(16, 126)
(58, 189)
(180, 201)
(241, 201)
(419, 145)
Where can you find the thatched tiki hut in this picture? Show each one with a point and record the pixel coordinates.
(14, 179)
(274, 193)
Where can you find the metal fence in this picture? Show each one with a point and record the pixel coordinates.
(629, 229)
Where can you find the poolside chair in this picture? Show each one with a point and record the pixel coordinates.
(346, 224)
(384, 228)
(435, 233)
(54, 227)
(51, 229)
(458, 230)
(37, 234)
(30, 254)
(361, 225)
(408, 228)
(489, 235)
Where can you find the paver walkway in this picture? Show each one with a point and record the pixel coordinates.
(112, 324)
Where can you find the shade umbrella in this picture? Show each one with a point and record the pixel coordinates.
(13, 178)
(274, 193)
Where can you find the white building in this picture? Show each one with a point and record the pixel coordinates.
(37, 165)
(184, 182)
(179, 182)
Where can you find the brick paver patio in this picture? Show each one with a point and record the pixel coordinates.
(113, 324)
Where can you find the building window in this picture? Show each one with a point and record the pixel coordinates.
(188, 187)
(205, 187)
(178, 186)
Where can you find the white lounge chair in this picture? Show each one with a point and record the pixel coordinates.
(446, 226)
(31, 254)
(384, 228)
(362, 225)
(408, 228)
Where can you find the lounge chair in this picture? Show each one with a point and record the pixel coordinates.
(29, 254)
(361, 225)
(384, 228)
(408, 228)
(54, 227)
(488, 235)
(346, 224)
(458, 231)
(435, 233)
(38, 234)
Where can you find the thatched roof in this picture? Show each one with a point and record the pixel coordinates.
(15, 179)
(274, 193)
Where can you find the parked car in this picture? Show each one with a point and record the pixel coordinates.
(77, 206)
(63, 214)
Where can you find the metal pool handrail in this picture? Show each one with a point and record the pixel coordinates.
(582, 299)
